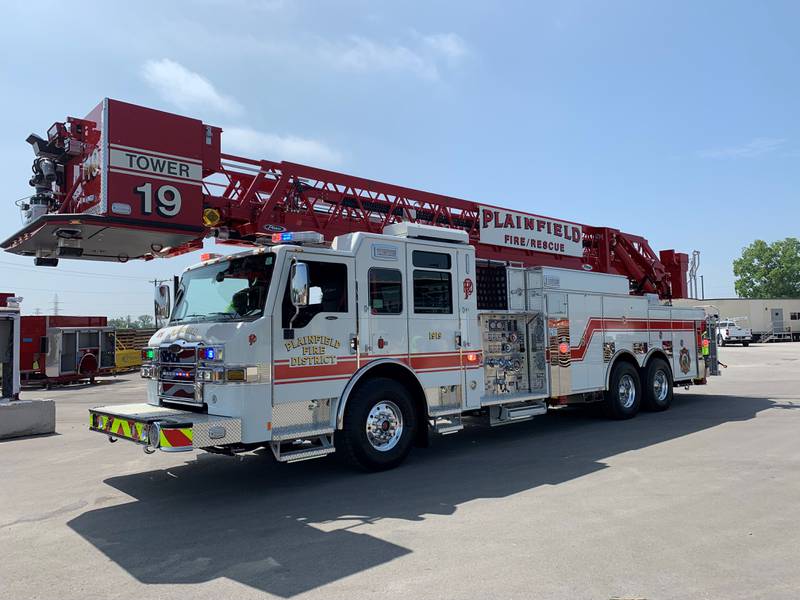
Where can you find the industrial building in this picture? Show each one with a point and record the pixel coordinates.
(771, 319)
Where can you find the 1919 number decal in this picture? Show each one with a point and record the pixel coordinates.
(168, 199)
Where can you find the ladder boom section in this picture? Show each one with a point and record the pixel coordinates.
(130, 182)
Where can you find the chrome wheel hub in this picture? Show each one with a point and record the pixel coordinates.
(626, 391)
(384, 425)
(660, 386)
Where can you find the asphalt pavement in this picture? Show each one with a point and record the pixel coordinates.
(702, 501)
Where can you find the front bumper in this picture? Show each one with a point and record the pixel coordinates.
(167, 429)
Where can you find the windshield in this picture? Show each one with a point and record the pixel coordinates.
(232, 290)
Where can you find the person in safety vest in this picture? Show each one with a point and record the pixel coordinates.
(705, 349)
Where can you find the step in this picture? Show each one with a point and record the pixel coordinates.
(447, 424)
(318, 447)
(514, 413)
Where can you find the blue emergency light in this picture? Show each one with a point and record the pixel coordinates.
(209, 353)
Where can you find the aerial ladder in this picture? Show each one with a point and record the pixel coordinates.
(128, 182)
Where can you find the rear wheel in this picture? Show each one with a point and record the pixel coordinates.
(623, 397)
(379, 425)
(657, 385)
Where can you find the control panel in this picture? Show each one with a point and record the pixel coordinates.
(505, 353)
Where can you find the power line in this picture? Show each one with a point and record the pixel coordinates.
(58, 271)
(36, 289)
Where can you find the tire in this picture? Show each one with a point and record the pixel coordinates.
(657, 394)
(378, 404)
(745, 344)
(623, 403)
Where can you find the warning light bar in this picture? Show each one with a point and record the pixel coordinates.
(298, 237)
(209, 256)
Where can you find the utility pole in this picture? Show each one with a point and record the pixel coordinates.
(56, 304)
(702, 288)
(156, 283)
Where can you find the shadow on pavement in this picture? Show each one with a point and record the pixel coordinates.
(247, 519)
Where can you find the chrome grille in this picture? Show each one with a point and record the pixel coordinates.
(177, 374)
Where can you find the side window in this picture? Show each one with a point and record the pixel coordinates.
(430, 260)
(385, 291)
(795, 316)
(331, 278)
(89, 339)
(433, 292)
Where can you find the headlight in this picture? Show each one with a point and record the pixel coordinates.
(148, 371)
(210, 374)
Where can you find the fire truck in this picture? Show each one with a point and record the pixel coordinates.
(59, 349)
(362, 316)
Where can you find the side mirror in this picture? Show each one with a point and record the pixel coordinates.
(299, 284)
(162, 301)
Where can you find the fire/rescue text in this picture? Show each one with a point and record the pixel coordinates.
(508, 228)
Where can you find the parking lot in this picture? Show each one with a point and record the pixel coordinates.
(700, 502)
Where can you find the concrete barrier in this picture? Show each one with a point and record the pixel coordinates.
(26, 417)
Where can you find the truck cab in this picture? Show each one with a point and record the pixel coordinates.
(268, 345)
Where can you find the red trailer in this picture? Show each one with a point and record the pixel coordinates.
(65, 349)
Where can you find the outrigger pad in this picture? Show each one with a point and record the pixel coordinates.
(95, 237)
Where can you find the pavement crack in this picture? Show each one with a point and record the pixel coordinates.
(47, 515)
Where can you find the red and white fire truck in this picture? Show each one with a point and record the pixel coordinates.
(363, 315)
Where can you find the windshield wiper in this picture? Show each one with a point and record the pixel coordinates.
(187, 317)
(230, 316)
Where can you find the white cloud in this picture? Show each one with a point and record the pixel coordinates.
(423, 58)
(191, 91)
(186, 89)
(258, 144)
(751, 149)
(449, 45)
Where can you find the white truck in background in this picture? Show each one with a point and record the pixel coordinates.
(729, 332)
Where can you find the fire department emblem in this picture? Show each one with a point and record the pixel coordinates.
(684, 361)
(469, 287)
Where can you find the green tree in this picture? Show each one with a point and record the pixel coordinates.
(144, 321)
(769, 270)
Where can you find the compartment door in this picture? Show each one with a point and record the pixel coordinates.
(69, 352)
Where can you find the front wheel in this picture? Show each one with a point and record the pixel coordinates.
(379, 425)
(745, 344)
(658, 385)
(623, 397)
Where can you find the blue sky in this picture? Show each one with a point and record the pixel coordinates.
(675, 120)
